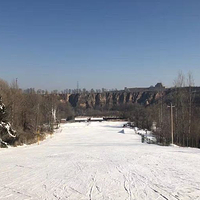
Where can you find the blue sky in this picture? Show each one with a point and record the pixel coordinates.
(100, 43)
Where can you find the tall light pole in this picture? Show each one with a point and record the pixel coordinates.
(172, 122)
(190, 113)
(16, 83)
(77, 87)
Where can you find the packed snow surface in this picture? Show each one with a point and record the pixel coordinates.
(85, 161)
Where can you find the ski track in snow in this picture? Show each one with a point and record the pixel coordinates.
(96, 162)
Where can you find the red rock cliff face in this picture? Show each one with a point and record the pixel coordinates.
(93, 100)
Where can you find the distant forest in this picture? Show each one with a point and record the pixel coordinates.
(25, 114)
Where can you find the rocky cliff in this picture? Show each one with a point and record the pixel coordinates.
(133, 96)
(109, 99)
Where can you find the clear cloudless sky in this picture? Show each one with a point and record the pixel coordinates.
(52, 44)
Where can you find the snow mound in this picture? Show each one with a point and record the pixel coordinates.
(129, 131)
(122, 131)
(173, 145)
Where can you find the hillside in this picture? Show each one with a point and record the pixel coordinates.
(98, 100)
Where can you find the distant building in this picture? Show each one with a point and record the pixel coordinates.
(81, 119)
(63, 121)
(99, 119)
(158, 87)
(89, 119)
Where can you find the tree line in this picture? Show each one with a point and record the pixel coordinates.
(68, 91)
(30, 113)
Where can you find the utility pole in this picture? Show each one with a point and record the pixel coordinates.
(77, 87)
(172, 122)
(37, 128)
(190, 114)
(16, 83)
(161, 111)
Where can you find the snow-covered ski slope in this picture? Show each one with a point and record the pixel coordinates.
(95, 161)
